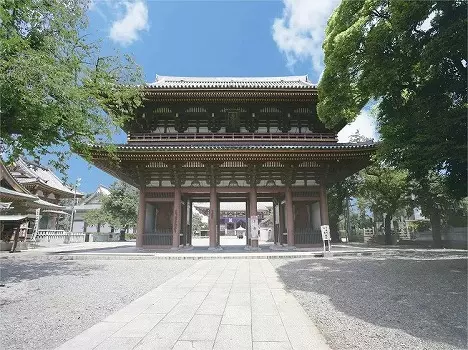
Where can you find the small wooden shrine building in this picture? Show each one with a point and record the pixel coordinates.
(231, 139)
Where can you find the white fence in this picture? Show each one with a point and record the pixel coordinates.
(58, 237)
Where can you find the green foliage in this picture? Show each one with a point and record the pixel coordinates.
(197, 223)
(96, 217)
(119, 208)
(340, 191)
(384, 188)
(56, 88)
(432, 194)
(379, 50)
(420, 225)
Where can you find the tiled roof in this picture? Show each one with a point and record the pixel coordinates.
(29, 172)
(335, 146)
(288, 82)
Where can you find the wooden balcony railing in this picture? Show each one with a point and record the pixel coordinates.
(152, 137)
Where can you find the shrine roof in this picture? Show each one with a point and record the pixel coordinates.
(287, 82)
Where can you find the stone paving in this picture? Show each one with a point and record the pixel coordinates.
(214, 304)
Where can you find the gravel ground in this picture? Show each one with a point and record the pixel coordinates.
(46, 301)
(396, 301)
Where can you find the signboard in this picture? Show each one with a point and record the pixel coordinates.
(254, 226)
(325, 229)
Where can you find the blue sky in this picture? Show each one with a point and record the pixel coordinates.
(211, 38)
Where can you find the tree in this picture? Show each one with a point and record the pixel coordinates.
(410, 58)
(57, 92)
(341, 191)
(336, 196)
(119, 208)
(197, 222)
(386, 190)
(432, 195)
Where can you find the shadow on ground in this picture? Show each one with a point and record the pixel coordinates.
(425, 295)
(19, 270)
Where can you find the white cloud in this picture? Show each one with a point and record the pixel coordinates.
(135, 19)
(365, 123)
(299, 33)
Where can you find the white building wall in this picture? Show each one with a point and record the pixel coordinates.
(316, 216)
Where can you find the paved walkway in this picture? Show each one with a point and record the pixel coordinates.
(215, 304)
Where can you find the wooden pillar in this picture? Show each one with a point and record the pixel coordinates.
(189, 222)
(141, 218)
(247, 223)
(275, 231)
(218, 221)
(213, 216)
(253, 212)
(176, 219)
(289, 216)
(323, 204)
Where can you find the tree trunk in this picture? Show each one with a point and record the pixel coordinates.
(335, 235)
(436, 228)
(122, 233)
(388, 231)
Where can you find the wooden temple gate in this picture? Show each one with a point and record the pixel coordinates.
(214, 138)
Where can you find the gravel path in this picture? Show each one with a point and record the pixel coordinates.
(47, 301)
(398, 301)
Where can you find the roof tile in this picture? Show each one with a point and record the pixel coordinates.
(288, 82)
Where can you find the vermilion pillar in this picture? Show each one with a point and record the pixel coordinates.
(323, 204)
(141, 218)
(289, 216)
(176, 219)
(213, 216)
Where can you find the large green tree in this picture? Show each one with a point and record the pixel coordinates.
(410, 58)
(432, 194)
(386, 190)
(339, 193)
(57, 91)
(119, 208)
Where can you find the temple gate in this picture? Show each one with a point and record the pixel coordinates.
(251, 139)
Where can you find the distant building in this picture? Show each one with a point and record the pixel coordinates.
(19, 208)
(89, 203)
(233, 215)
(101, 232)
(44, 184)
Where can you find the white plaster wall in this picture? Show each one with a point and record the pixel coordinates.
(149, 218)
(78, 226)
(316, 216)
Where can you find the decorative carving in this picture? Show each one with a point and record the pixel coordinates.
(212, 174)
(214, 123)
(178, 174)
(288, 176)
(251, 122)
(138, 172)
(252, 176)
(180, 122)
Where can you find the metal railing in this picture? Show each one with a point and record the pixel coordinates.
(308, 236)
(157, 238)
(142, 137)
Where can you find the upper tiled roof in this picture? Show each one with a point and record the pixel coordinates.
(289, 82)
(29, 172)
